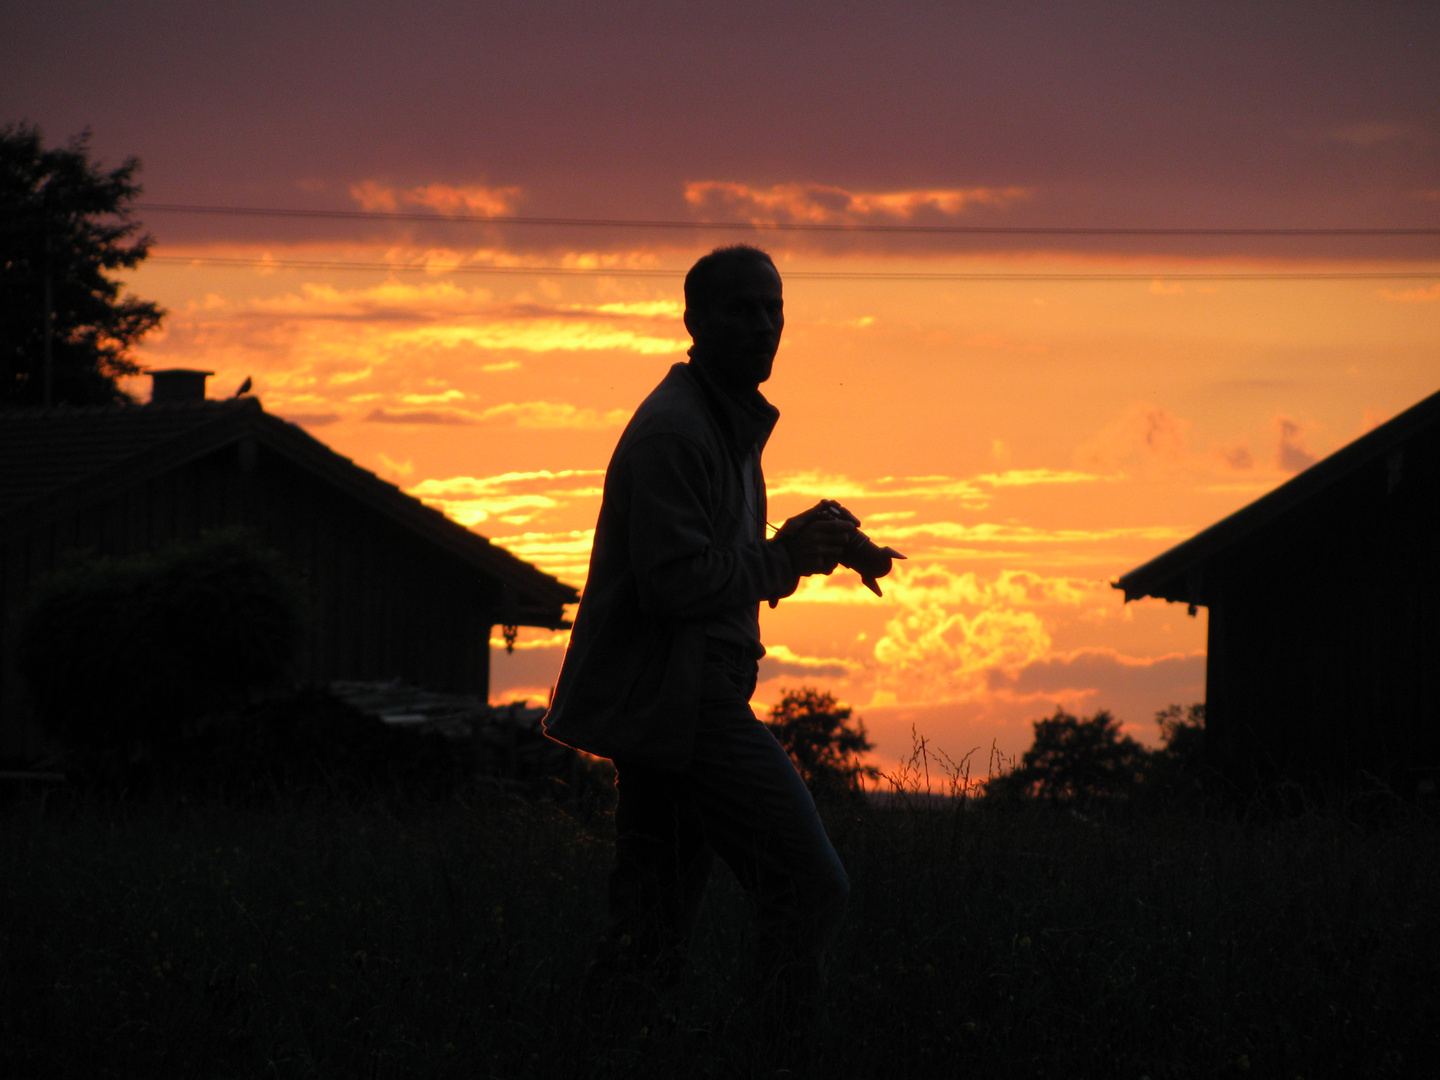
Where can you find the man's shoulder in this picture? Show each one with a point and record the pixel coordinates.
(675, 407)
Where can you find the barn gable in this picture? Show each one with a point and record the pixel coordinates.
(1324, 653)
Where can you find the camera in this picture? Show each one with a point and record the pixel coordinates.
(861, 554)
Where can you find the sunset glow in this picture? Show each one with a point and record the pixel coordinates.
(1024, 416)
(1022, 443)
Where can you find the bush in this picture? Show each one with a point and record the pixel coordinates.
(124, 656)
(1176, 771)
(1075, 759)
(1082, 760)
(823, 742)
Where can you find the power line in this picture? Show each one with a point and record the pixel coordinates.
(766, 226)
(804, 275)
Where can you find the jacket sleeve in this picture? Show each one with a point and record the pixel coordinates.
(681, 570)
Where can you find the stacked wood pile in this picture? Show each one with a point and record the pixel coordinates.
(503, 743)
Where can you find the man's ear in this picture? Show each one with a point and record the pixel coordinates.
(692, 321)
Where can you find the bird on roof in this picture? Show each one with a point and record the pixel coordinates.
(244, 386)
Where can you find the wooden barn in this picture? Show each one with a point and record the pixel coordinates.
(397, 590)
(1324, 607)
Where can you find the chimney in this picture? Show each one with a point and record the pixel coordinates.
(177, 385)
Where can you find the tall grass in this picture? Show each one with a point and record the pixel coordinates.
(346, 939)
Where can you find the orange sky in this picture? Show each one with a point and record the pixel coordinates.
(1023, 441)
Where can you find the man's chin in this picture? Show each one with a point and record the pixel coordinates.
(740, 374)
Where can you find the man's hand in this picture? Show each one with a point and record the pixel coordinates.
(816, 539)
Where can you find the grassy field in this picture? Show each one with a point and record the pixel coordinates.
(342, 938)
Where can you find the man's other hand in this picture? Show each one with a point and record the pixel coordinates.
(815, 540)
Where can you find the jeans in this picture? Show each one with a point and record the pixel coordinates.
(740, 799)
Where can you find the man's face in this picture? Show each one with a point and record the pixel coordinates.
(739, 333)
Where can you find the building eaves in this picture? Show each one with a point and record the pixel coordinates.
(1179, 574)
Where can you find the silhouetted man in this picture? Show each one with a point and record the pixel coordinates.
(662, 659)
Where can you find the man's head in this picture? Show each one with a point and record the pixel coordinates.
(735, 312)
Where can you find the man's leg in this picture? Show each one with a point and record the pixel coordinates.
(661, 867)
(759, 817)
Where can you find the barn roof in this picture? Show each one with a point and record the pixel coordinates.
(56, 460)
(1178, 573)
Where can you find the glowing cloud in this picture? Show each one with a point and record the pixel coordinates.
(989, 532)
(647, 309)
(383, 415)
(548, 639)
(542, 336)
(1145, 438)
(1031, 477)
(1291, 453)
(461, 486)
(929, 653)
(411, 353)
(935, 584)
(949, 630)
(1428, 294)
(452, 316)
(310, 420)
(1369, 133)
(1148, 441)
(516, 498)
(1088, 668)
(975, 493)
(548, 414)
(565, 554)
(781, 660)
(389, 300)
(1133, 688)
(825, 204)
(445, 199)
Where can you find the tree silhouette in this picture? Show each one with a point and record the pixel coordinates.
(1076, 759)
(823, 742)
(1177, 769)
(64, 223)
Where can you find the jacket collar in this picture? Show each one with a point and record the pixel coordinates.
(747, 419)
